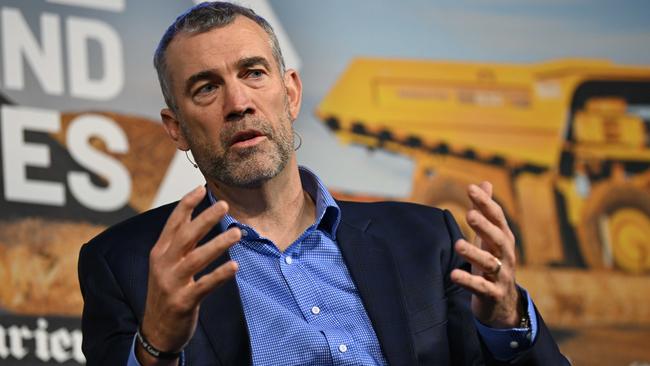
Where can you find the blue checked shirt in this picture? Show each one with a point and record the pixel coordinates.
(301, 306)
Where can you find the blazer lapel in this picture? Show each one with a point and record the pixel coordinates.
(222, 318)
(373, 271)
(221, 315)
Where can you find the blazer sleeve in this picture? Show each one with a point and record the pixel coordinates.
(108, 323)
(466, 345)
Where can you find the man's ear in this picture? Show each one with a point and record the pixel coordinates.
(294, 92)
(173, 127)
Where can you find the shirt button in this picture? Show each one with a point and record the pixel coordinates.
(529, 336)
(244, 232)
(288, 260)
(343, 348)
(514, 344)
(315, 310)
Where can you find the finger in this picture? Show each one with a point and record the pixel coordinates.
(489, 233)
(200, 257)
(484, 260)
(488, 207)
(476, 284)
(180, 215)
(212, 280)
(189, 235)
(486, 187)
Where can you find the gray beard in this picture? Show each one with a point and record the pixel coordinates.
(247, 169)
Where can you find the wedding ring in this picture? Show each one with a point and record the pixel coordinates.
(496, 270)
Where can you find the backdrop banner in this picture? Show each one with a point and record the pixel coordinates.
(411, 101)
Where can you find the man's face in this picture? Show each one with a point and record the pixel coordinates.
(234, 108)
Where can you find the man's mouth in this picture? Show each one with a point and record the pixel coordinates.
(246, 138)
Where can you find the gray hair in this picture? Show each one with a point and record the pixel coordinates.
(202, 18)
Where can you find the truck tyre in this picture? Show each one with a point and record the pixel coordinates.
(451, 194)
(615, 230)
(446, 193)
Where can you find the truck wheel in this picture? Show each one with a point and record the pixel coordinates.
(616, 231)
(446, 193)
(451, 194)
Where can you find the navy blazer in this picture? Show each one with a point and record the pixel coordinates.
(399, 255)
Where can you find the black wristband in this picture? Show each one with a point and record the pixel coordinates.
(153, 350)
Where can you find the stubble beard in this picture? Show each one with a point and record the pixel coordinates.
(249, 167)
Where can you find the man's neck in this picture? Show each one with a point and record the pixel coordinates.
(279, 209)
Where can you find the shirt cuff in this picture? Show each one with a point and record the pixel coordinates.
(505, 344)
(133, 361)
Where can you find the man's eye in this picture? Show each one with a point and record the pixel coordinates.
(255, 74)
(207, 88)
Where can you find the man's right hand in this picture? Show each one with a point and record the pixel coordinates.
(173, 296)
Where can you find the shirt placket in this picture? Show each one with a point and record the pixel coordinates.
(314, 308)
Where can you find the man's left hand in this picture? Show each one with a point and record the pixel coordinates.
(495, 297)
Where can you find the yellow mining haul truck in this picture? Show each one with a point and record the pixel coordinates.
(565, 143)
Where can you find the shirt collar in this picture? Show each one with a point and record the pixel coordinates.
(328, 213)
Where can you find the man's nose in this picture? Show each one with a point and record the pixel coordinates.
(237, 102)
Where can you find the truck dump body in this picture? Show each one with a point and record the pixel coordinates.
(499, 112)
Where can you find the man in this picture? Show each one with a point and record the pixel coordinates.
(263, 266)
